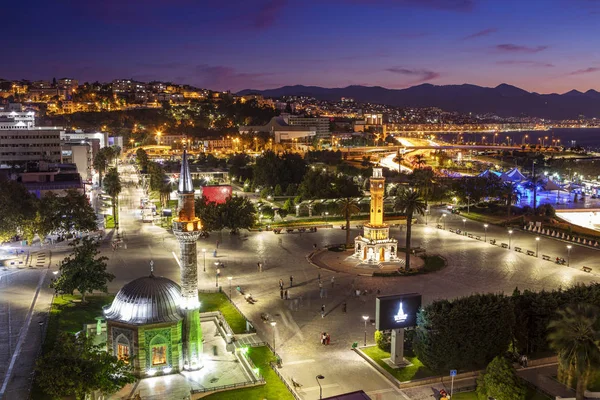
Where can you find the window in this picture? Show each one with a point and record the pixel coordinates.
(123, 352)
(159, 355)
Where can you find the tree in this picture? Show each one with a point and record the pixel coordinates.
(18, 210)
(508, 191)
(500, 381)
(575, 336)
(278, 191)
(75, 366)
(533, 184)
(238, 213)
(112, 187)
(347, 208)
(165, 194)
(99, 164)
(409, 202)
(82, 270)
(210, 213)
(68, 213)
(141, 158)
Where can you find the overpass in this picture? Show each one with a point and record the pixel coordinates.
(387, 149)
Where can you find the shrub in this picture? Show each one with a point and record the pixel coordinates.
(383, 340)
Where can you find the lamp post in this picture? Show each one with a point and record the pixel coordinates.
(319, 377)
(509, 238)
(204, 252)
(444, 219)
(273, 323)
(230, 278)
(326, 214)
(217, 272)
(485, 226)
(464, 223)
(426, 212)
(468, 204)
(365, 318)
(537, 245)
(569, 254)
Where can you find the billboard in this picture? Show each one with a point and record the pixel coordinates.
(217, 194)
(397, 311)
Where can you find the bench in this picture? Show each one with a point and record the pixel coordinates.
(477, 237)
(451, 230)
(492, 241)
(504, 246)
(296, 383)
(518, 249)
(530, 253)
(586, 269)
(439, 226)
(470, 235)
(545, 257)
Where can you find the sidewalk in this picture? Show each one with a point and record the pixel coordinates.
(541, 378)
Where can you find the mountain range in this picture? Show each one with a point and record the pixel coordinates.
(503, 100)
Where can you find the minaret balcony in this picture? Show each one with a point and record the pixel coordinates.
(187, 226)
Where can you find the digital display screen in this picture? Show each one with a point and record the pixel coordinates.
(397, 311)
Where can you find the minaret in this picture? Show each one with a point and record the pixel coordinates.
(187, 229)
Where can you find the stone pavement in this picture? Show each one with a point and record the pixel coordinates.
(542, 377)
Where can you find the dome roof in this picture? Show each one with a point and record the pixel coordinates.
(146, 300)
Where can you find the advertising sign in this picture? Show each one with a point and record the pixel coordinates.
(397, 311)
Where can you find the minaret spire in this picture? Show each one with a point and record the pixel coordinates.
(187, 228)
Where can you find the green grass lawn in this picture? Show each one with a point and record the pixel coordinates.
(220, 302)
(273, 389)
(416, 371)
(531, 394)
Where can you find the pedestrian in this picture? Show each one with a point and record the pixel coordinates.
(321, 293)
(323, 311)
(314, 246)
(319, 277)
(281, 293)
(525, 361)
(286, 294)
(215, 253)
(281, 284)
(258, 266)
(332, 281)
(291, 281)
(328, 339)
(323, 337)
(217, 244)
(320, 285)
(344, 307)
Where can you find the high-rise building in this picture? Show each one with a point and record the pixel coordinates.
(320, 124)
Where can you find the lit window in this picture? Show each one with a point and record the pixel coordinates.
(159, 355)
(123, 352)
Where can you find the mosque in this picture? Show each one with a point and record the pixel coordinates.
(153, 321)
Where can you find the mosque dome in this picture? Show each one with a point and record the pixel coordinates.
(147, 300)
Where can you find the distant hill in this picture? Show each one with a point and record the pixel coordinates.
(504, 100)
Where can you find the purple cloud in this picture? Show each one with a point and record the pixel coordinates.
(585, 71)
(524, 62)
(444, 5)
(484, 32)
(226, 78)
(418, 75)
(515, 48)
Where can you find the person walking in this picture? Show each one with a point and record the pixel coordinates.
(286, 294)
(321, 293)
(327, 339)
(217, 244)
(281, 284)
(281, 293)
(319, 277)
(291, 281)
(332, 281)
(323, 311)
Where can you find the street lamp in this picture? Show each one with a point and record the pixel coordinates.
(537, 245)
(509, 238)
(217, 275)
(444, 219)
(365, 318)
(273, 323)
(319, 377)
(464, 223)
(485, 226)
(569, 254)
(326, 214)
(229, 278)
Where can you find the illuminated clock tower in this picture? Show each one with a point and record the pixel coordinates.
(187, 229)
(375, 245)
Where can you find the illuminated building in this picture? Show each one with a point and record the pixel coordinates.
(375, 245)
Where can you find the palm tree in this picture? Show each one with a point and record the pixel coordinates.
(409, 202)
(419, 160)
(575, 336)
(112, 187)
(533, 184)
(509, 192)
(347, 207)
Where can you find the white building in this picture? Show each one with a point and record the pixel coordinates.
(320, 124)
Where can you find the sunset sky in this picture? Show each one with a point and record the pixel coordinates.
(539, 45)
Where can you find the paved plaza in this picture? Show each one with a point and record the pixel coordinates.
(473, 266)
